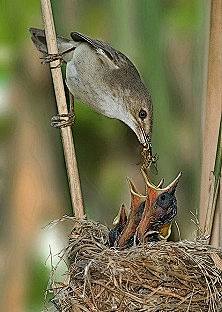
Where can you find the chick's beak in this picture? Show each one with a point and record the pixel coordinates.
(134, 216)
(151, 213)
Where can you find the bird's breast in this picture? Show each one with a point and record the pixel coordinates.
(91, 89)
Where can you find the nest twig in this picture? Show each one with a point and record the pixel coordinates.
(160, 276)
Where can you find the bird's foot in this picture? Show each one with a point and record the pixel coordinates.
(47, 58)
(63, 120)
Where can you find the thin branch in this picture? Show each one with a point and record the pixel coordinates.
(209, 190)
(66, 133)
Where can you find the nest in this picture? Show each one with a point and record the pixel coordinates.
(158, 276)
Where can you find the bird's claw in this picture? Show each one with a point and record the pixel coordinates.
(48, 58)
(62, 120)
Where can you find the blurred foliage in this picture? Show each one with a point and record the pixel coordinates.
(166, 39)
(38, 277)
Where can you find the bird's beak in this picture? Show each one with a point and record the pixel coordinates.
(134, 216)
(146, 218)
(144, 138)
(149, 213)
(171, 186)
(121, 218)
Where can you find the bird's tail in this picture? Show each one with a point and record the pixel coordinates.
(39, 40)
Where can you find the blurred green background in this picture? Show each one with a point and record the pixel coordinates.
(167, 41)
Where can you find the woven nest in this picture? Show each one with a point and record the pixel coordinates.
(160, 276)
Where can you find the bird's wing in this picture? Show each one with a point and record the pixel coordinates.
(39, 40)
(101, 47)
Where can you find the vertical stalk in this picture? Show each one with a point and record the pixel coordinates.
(66, 133)
(209, 179)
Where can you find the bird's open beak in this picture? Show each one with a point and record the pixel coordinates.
(121, 218)
(150, 214)
(134, 216)
(159, 188)
(146, 219)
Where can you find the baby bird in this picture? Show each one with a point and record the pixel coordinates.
(150, 216)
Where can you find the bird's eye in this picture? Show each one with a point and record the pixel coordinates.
(165, 200)
(142, 114)
(163, 197)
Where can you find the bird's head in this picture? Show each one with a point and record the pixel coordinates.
(139, 117)
(143, 123)
(132, 102)
(160, 208)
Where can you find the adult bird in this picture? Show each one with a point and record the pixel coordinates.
(104, 79)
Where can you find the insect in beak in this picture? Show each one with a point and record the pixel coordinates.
(149, 160)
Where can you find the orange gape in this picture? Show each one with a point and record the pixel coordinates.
(150, 215)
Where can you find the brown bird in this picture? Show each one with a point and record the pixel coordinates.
(104, 79)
